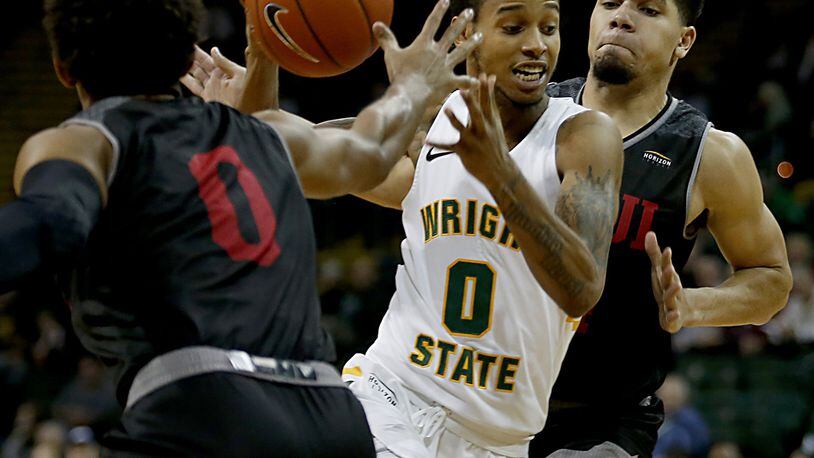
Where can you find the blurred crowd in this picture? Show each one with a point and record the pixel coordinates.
(737, 392)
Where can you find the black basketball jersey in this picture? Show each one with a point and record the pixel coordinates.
(620, 353)
(206, 239)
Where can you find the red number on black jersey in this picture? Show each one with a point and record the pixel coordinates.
(222, 212)
(626, 216)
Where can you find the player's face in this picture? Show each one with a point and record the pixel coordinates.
(521, 43)
(632, 38)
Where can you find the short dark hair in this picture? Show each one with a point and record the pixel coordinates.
(690, 10)
(124, 47)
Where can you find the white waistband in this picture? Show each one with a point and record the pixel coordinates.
(503, 444)
(428, 415)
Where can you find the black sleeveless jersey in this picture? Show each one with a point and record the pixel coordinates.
(206, 239)
(620, 354)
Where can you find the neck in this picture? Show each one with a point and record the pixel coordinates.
(85, 99)
(517, 119)
(630, 105)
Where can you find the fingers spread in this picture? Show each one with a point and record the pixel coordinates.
(192, 84)
(464, 82)
(199, 74)
(453, 119)
(484, 96)
(227, 66)
(203, 60)
(434, 20)
(476, 121)
(667, 259)
(464, 49)
(385, 37)
(492, 101)
(456, 29)
(651, 246)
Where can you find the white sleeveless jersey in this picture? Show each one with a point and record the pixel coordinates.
(469, 327)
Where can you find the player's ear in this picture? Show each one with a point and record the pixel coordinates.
(688, 36)
(62, 73)
(468, 31)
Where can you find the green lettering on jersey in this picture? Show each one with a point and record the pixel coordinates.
(488, 221)
(464, 368)
(451, 212)
(422, 356)
(508, 370)
(446, 348)
(486, 363)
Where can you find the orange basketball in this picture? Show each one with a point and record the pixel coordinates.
(317, 38)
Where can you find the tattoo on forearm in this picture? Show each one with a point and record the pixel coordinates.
(586, 207)
(518, 215)
(589, 208)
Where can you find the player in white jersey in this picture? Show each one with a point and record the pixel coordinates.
(508, 223)
(505, 242)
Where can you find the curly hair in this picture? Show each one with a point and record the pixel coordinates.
(123, 47)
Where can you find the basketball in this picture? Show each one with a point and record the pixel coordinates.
(317, 38)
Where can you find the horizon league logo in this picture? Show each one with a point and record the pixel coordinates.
(271, 11)
(657, 158)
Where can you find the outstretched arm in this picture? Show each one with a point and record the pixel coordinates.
(332, 161)
(566, 249)
(60, 181)
(728, 186)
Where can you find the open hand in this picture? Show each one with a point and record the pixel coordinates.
(428, 62)
(482, 145)
(215, 78)
(667, 288)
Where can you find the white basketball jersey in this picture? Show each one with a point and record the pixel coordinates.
(469, 327)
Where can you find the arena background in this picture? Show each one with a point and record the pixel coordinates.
(746, 391)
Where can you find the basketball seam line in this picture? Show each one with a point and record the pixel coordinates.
(369, 25)
(316, 37)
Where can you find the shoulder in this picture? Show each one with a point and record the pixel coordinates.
(725, 154)
(726, 148)
(589, 138)
(75, 139)
(587, 121)
(84, 145)
(727, 169)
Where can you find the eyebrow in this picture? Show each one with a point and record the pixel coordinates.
(510, 7)
(518, 6)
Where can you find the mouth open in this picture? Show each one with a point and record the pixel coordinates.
(530, 72)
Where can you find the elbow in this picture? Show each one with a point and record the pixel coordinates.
(577, 305)
(578, 295)
(576, 309)
(776, 295)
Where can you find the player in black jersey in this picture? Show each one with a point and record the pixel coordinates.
(680, 175)
(180, 232)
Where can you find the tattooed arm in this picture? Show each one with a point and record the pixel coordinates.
(566, 248)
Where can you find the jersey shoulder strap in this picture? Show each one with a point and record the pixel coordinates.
(569, 88)
(94, 116)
